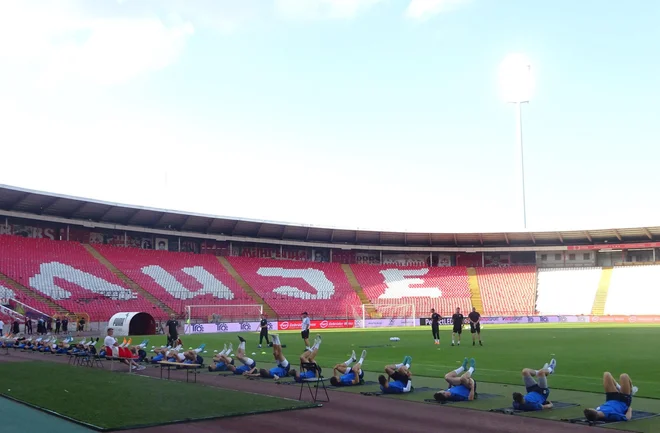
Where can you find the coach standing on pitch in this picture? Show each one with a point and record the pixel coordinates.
(264, 330)
(475, 325)
(172, 330)
(435, 326)
(457, 320)
(304, 329)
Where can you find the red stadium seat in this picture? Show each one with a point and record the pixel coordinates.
(508, 291)
(291, 287)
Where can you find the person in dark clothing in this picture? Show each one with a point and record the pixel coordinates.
(475, 325)
(65, 325)
(28, 326)
(172, 326)
(58, 325)
(15, 327)
(49, 324)
(264, 330)
(435, 326)
(457, 321)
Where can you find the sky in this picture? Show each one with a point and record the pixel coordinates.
(369, 114)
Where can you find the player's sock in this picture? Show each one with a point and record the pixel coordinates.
(473, 364)
(398, 366)
(364, 355)
(230, 350)
(459, 370)
(276, 340)
(241, 345)
(552, 365)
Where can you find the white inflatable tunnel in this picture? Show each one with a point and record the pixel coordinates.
(126, 324)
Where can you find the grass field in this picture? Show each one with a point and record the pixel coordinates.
(583, 352)
(110, 400)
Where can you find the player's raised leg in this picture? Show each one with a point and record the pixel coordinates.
(536, 385)
(618, 400)
(462, 386)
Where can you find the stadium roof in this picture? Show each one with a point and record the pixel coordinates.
(23, 203)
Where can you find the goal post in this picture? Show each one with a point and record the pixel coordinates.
(224, 313)
(405, 314)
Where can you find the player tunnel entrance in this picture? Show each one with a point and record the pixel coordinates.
(142, 324)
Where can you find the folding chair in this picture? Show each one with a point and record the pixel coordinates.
(320, 382)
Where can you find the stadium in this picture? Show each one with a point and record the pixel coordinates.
(587, 298)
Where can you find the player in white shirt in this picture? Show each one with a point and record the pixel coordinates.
(304, 330)
(114, 350)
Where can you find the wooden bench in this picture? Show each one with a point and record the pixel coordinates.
(190, 368)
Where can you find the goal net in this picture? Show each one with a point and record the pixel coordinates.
(224, 313)
(397, 314)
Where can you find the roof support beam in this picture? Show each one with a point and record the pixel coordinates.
(405, 239)
(616, 233)
(506, 238)
(83, 204)
(48, 205)
(160, 219)
(18, 200)
(647, 233)
(259, 229)
(307, 234)
(283, 232)
(430, 239)
(455, 240)
(561, 238)
(129, 218)
(531, 235)
(588, 236)
(233, 227)
(481, 238)
(208, 226)
(356, 237)
(332, 236)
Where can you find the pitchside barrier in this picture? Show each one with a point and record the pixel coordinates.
(288, 325)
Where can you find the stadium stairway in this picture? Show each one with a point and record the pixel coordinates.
(246, 287)
(475, 291)
(32, 294)
(124, 278)
(368, 306)
(598, 309)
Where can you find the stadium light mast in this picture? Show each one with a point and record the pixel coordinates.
(516, 86)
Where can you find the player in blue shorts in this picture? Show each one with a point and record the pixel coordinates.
(537, 389)
(222, 359)
(307, 357)
(400, 376)
(281, 369)
(345, 375)
(462, 386)
(618, 400)
(249, 365)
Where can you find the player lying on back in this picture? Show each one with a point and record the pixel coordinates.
(400, 376)
(345, 375)
(222, 359)
(618, 400)
(281, 369)
(537, 390)
(307, 357)
(462, 386)
(227, 363)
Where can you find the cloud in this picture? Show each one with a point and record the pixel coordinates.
(100, 43)
(323, 9)
(424, 9)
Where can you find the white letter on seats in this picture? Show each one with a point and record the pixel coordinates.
(314, 277)
(210, 284)
(398, 286)
(45, 283)
(6, 293)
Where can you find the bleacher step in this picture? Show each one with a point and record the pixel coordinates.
(246, 287)
(475, 290)
(32, 294)
(598, 308)
(355, 284)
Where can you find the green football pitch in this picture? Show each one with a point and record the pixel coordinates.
(583, 352)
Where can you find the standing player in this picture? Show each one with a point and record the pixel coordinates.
(172, 330)
(475, 325)
(435, 326)
(306, 324)
(264, 330)
(457, 320)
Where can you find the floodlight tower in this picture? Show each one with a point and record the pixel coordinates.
(516, 86)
